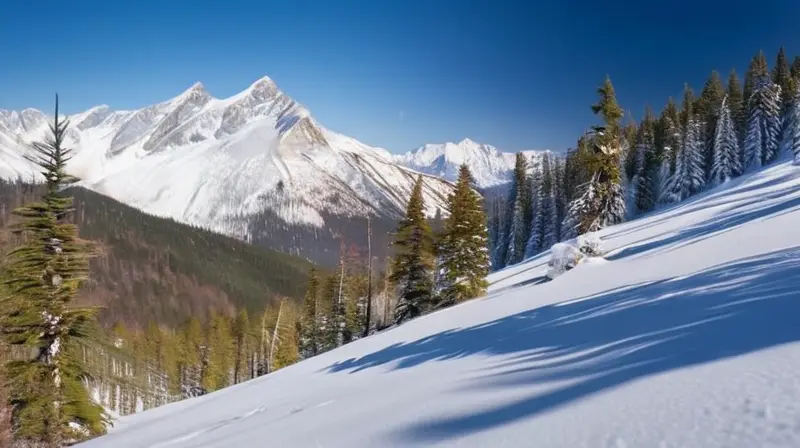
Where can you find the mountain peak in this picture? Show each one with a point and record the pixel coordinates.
(467, 142)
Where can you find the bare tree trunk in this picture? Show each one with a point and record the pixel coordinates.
(275, 339)
(368, 317)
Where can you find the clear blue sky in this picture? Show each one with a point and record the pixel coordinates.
(397, 74)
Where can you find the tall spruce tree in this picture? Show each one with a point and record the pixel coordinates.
(726, 163)
(708, 109)
(611, 197)
(309, 321)
(736, 106)
(781, 75)
(412, 269)
(646, 167)
(51, 406)
(762, 137)
(792, 127)
(519, 213)
(464, 245)
(535, 234)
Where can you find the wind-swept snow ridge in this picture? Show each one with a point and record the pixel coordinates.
(218, 163)
(687, 337)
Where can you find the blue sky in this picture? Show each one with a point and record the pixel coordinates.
(396, 74)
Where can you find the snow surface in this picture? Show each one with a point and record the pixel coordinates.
(216, 162)
(686, 337)
(489, 166)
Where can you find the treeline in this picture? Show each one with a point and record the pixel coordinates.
(618, 172)
(429, 270)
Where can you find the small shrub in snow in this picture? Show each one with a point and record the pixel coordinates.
(563, 257)
(590, 245)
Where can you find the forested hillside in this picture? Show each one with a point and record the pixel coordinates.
(625, 168)
(155, 269)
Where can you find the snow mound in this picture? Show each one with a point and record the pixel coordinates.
(687, 337)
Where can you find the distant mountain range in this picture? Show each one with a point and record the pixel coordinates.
(256, 166)
(489, 166)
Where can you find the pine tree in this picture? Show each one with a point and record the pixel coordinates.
(644, 182)
(464, 244)
(794, 71)
(736, 106)
(726, 148)
(412, 270)
(310, 335)
(190, 355)
(611, 197)
(792, 127)
(762, 138)
(536, 232)
(707, 109)
(669, 143)
(241, 341)
(519, 213)
(781, 75)
(51, 406)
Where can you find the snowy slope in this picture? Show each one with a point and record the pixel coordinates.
(687, 337)
(218, 162)
(489, 166)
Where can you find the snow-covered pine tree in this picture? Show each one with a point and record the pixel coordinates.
(51, 407)
(518, 213)
(726, 148)
(549, 212)
(736, 106)
(412, 270)
(464, 244)
(644, 178)
(582, 214)
(560, 195)
(536, 232)
(669, 143)
(792, 127)
(707, 110)
(606, 145)
(781, 76)
(762, 137)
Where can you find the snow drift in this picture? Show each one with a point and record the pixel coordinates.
(686, 337)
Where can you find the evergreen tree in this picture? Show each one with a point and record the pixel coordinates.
(309, 323)
(328, 326)
(560, 196)
(241, 340)
(781, 75)
(50, 405)
(611, 197)
(536, 232)
(191, 355)
(412, 270)
(669, 143)
(726, 148)
(707, 109)
(794, 71)
(736, 106)
(762, 138)
(519, 215)
(645, 176)
(463, 248)
(792, 127)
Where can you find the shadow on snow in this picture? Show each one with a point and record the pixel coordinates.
(606, 340)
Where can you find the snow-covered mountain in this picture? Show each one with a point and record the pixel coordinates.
(686, 335)
(489, 166)
(218, 163)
